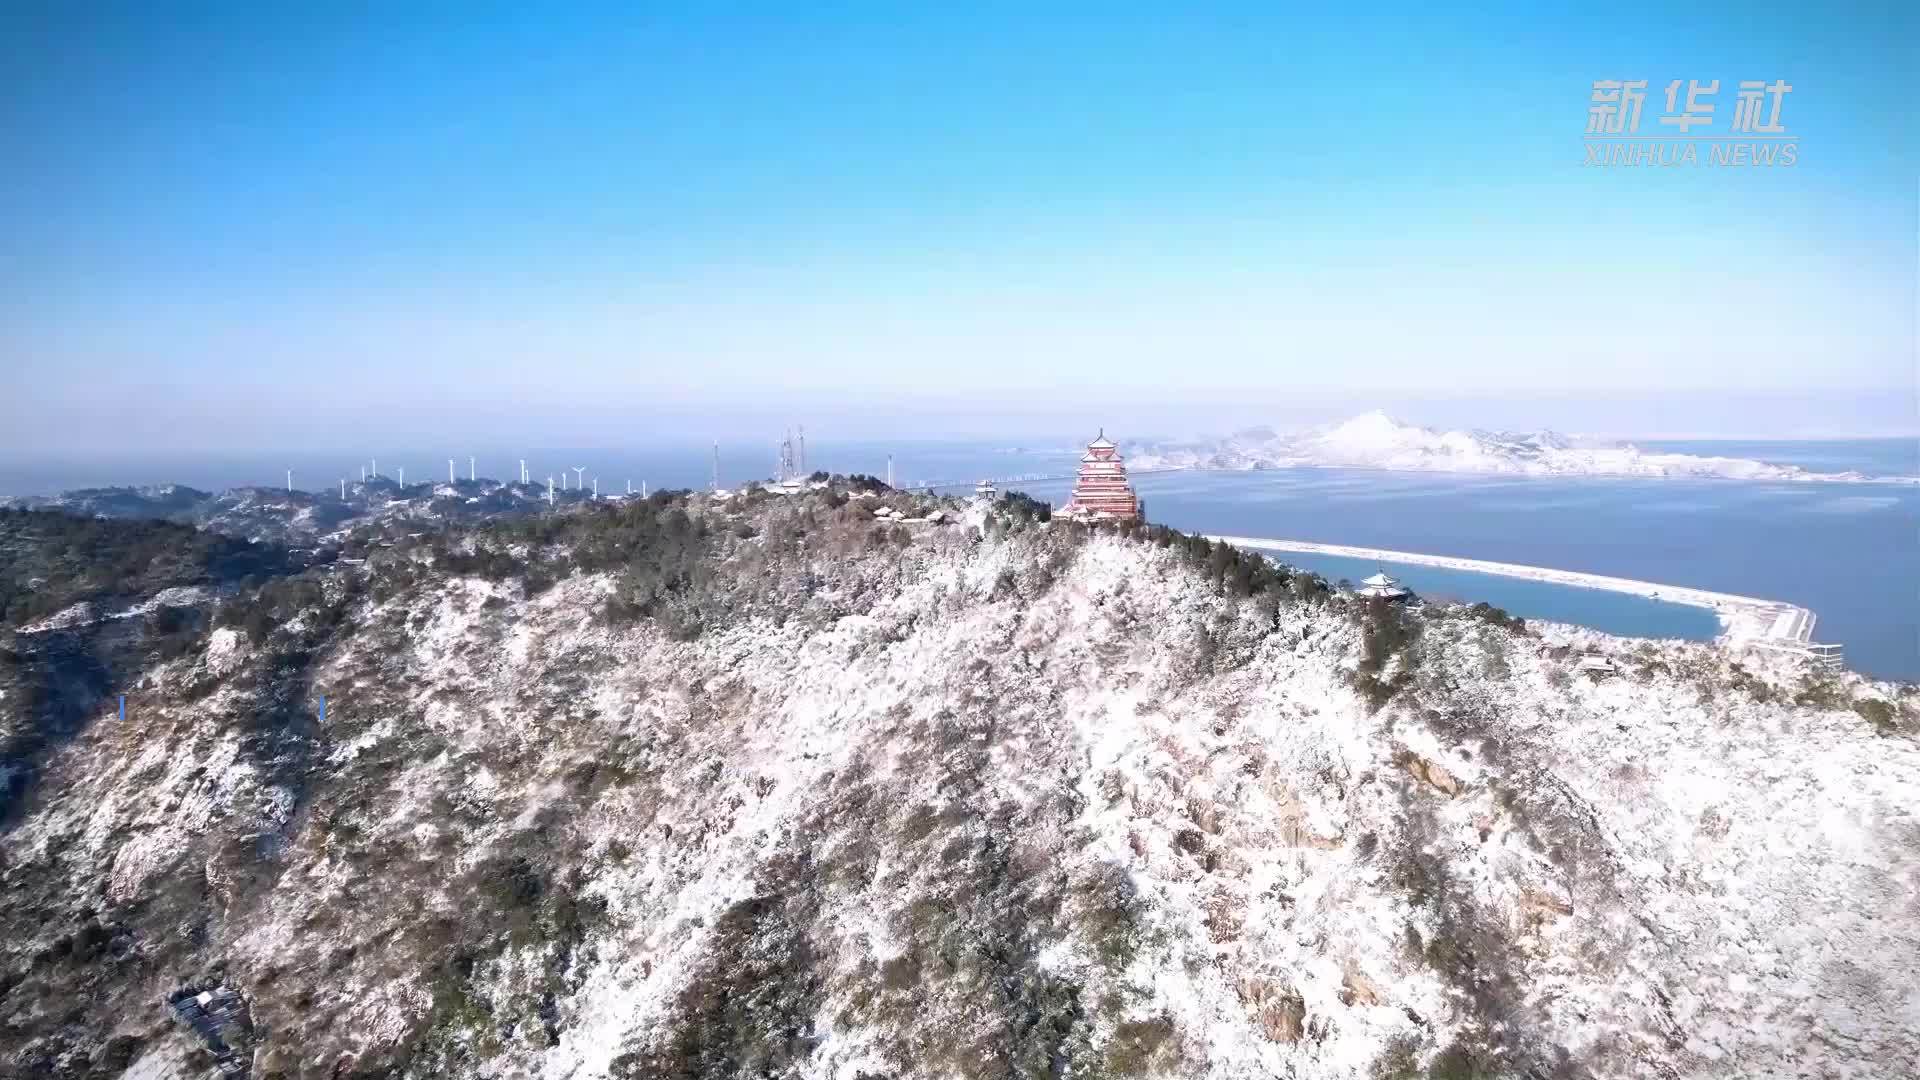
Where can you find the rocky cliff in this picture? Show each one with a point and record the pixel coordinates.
(767, 788)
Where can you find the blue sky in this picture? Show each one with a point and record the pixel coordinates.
(243, 227)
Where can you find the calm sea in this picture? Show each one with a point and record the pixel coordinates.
(1873, 457)
(1848, 552)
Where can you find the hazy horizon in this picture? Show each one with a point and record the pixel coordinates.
(113, 429)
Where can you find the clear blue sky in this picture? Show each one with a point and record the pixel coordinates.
(247, 227)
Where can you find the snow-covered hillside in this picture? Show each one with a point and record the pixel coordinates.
(1377, 441)
(983, 798)
(305, 517)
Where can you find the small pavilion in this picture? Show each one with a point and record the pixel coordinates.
(1383, 587)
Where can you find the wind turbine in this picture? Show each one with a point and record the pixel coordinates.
(577, 470)
(470, 475)
(643, 489)
(523, 470)
(289, 481)
(596, 487)
(450, 478)
(549, 489)
(363, 474)
(403, 476)
(376, 468)
(343, 489)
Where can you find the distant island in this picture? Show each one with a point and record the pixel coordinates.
(1375, 440)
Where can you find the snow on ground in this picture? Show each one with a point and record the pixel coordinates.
(973, 797)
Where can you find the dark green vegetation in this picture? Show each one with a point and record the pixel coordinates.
(1021, 507)
(50, 561)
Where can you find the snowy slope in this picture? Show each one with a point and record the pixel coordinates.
(1032, 803)
(1376, 441)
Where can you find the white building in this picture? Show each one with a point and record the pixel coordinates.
(1383, 587)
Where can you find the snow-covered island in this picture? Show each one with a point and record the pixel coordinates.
(1375, 440)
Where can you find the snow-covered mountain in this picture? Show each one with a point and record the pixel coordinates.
(1377, 441)
(304, 517)
(772, 787)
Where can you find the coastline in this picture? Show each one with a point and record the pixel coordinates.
(1744, 620)
(1157, 465)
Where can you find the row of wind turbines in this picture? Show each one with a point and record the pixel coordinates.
(371, 470)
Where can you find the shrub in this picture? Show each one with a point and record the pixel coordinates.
(1487, 613)
(1021, 507)
(1110, 911)
(1878, 713)
(748, 1010)
(1138, 1046)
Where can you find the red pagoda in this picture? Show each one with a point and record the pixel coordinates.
(1102, 490)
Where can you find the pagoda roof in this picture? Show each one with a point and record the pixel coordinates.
(1381, 581)
(1101, 442)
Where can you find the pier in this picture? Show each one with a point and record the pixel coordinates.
(1744, 620)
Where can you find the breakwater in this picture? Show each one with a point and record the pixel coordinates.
(1744, 620)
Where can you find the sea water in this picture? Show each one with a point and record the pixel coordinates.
(1848, 552)
(1615, 613)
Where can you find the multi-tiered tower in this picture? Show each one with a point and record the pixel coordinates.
(1102, 490)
